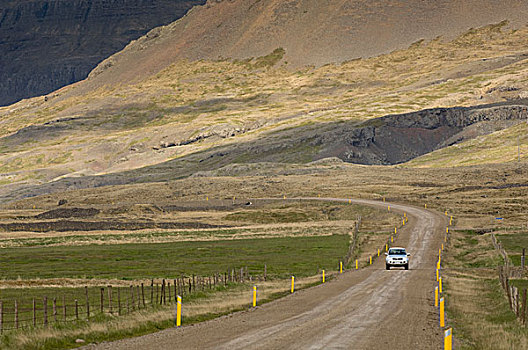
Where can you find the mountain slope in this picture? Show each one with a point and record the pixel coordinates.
(313, 32)
(196, 116)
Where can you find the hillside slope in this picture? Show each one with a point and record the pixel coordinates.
(313, 32)
(197, 116)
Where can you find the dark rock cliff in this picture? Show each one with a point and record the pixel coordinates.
(45, 45)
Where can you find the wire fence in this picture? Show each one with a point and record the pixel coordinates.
(516, 296)
(92, 302)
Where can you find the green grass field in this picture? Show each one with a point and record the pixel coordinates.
(301, 256)
(514, 244)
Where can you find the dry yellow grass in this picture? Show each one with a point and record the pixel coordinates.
(238, 298)
(477, 307)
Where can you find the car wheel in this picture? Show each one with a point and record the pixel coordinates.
(387, 267)
(406, 266)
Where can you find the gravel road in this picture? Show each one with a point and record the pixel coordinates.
(365, 309)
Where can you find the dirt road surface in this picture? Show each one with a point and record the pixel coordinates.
(365, 309)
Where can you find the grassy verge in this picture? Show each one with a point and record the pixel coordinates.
(107, 328)
(476, 305)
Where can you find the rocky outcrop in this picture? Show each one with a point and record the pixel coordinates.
(45, 45)
(399, 138)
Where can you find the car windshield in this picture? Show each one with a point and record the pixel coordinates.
(397, 252)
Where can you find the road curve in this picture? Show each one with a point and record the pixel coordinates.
(361, 309)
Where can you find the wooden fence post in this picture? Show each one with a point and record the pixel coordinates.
(119, 301)
(175, 290)
(34, 313)
(157, 293)
(194, 283)
(110, 299)
(265, 271)
(152, 293)
(132, 298)
(87, 302)
(169, 288)
(45, 311)
(508, 292)
(77, 310)
(16, 314)
(138, 297)
(524, 307)
(162, 296)
(102, 300)
(523, 258)
(143, 295)
(517, 296)
(55, 310)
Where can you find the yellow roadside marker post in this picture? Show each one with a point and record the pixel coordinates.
(386, 247)
(350, 201)
(370, 260)
(442, 246)
(178, 311)
(448, 339)
(446, 213)
(447, 229)
(403, 222)
(425, 205)
(442, 316)
(293, 284)
(340, 267)
(388, 208)
(437, 275)
(436, 297)
(395, 230)
(254, 296)
(440, 284)
(207, 198)
(451, 221)
(357, 266)
(378, 251)
(284, 197)
(392, 239)
(323, 276)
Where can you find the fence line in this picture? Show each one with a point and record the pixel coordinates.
(516, 298)
(352, 248)
(111, 300)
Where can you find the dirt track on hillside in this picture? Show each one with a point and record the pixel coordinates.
(361, 309)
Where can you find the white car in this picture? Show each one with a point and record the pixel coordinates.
(397, 257)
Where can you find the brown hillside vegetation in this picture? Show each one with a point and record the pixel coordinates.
(313, 32)
(200, 116)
